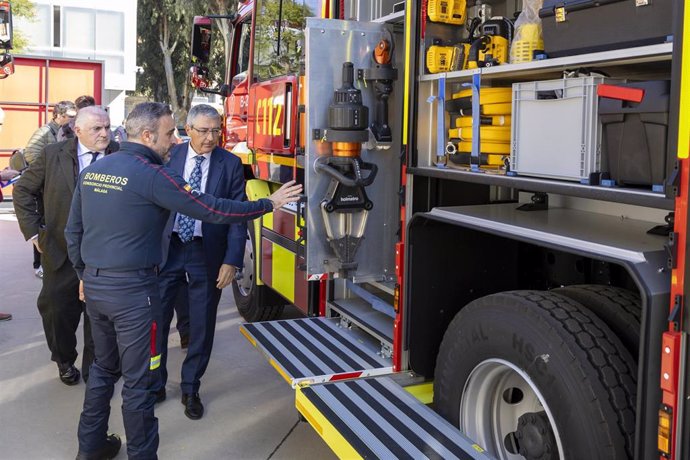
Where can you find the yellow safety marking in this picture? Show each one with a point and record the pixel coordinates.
(280, 370)
(478, 448)
(246, 158)
(684, 117)
(248, 336)
(255, 190)
(275, 159)
(283, 269)
(424, 392)
(326, 430)
(155, 362)
(267, 221)
(408, 52)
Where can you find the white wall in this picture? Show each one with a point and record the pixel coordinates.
(89, 29)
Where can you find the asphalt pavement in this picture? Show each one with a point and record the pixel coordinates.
(250, 411)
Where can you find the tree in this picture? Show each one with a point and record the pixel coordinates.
(22, 9)
(164, 27)
(164, 30)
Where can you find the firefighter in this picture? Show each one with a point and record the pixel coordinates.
(114, 233)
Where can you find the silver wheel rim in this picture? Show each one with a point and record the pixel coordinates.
(246, 281)
(496, 395)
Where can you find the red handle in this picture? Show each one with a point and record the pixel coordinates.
(620, 92)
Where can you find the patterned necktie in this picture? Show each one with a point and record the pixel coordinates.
(185, 224)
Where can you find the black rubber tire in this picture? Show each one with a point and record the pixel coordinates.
(260, 303)
(588, 381)
(619, 308)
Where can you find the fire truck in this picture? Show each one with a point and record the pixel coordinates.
(490, 256)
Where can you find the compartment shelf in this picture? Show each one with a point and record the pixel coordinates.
(530, 184)
(627, 56)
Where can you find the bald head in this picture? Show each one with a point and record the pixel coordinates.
(92, 127)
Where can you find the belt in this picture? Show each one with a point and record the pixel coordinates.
(195, 238)
(122, 273)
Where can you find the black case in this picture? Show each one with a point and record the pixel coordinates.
(635, 135)
(600, 25)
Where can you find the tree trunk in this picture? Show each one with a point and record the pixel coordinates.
(164, 42)
(224, 26)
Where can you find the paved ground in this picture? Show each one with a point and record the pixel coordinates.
(250, 412)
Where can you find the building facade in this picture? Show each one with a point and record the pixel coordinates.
(96, 30)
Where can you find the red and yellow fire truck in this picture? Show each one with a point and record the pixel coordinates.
(490, 255)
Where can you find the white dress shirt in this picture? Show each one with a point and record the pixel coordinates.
(84, 156)
(189, 164)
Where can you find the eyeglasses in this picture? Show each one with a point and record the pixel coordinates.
(204, 131)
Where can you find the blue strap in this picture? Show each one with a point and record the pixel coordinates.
(476, 120)
(440, 122)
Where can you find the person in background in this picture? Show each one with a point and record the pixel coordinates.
(5, 175)
(52, 176)
(67, 131)
(63, 112)
(114, 237)
(119, 133)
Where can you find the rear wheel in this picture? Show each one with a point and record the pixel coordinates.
(617, 307)
(534, 375)
(254, 302)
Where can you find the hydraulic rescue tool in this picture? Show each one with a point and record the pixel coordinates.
(346, 205)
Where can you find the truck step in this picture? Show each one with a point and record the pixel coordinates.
(376, 418)
(333, 353)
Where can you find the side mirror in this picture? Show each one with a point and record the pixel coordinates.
(198, 76)
(5, 25)
(201, 39)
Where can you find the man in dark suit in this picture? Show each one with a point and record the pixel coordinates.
(51, 178)
(207, 255)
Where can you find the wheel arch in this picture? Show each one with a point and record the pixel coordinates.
(451, 263)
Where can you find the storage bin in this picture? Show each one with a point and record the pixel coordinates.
(585, 26)
(555, 131)
(634, 135)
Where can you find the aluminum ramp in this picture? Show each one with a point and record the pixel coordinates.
(315, 350)
(377, 419)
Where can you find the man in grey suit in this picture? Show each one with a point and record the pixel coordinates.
(51, 178)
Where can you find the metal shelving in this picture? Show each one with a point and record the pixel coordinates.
(531, 184)
(639, 55)
(626, 61)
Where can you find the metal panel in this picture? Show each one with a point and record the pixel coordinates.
(337, 353)
(330, 43)
(378, 419)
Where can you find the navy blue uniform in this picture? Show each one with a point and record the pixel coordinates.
(120, 207)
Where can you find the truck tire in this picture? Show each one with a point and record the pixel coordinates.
(534, 375)
(618, 308)
(254, 302)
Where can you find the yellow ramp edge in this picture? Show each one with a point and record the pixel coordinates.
(323, 427)
(424, 392)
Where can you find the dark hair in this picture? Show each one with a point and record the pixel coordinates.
(145, 116)
(84, 101)
(62, 108)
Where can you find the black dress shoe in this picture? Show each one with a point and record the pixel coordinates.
(160, 395)
(107, 452)
(184, 342)
(192, 406)
(69, 375)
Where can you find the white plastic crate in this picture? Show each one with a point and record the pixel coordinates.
(556, 131)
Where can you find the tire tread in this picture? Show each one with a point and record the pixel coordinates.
(603, 351)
